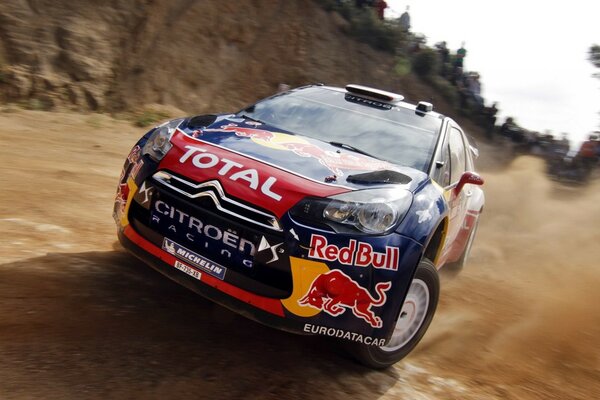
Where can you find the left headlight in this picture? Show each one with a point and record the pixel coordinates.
(159, 142)
(372, 211)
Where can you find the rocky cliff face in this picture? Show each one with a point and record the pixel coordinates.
(199, 56)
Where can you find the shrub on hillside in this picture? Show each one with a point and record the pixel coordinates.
(149, 117)
(365, 26)
(445, 89)
(424, 63)
(368, 29)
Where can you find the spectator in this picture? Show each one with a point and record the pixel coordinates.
(457, 77)
(405, 21)
(443, 51)
(489, 117)
(508, 126)
(461, 82)
(380, 6)
(474, 89)
(460, 56)
(588, 152)
(444, 54)
(564, 143)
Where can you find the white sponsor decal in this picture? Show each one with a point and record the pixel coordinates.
(195, 229)
(265, 245)
(196, 260)
(235, 171)
(424, 216)
(342, 334)
(145, 191)
(359, 254)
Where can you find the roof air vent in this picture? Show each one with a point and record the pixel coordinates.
(376, 94)
(424, 106)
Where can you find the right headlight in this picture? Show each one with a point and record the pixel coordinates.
(373, 211)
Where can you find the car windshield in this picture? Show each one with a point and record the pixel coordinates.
(390, 133)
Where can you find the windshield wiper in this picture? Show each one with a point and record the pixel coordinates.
(244, 115)
(351, 148)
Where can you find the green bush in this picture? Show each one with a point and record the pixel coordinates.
(345, 8)
(365, 26)
(368, 29)
(149, 117)
(424, 63)
(402, 66)
(445, 89)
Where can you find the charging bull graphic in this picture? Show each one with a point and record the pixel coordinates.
(335, 291)
(332, 160)
(253, 133)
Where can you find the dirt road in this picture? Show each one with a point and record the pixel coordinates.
(81, 319)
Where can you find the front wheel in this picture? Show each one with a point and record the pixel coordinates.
(414, 319)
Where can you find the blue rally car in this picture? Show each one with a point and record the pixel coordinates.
(321, 210)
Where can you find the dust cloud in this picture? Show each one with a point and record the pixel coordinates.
(522, 321)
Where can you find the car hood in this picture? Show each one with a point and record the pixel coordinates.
(269, 168)
(302, 156)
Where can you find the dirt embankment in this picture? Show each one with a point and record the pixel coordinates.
(79, 318)
(196, 55)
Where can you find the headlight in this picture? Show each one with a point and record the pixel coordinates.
(374, 211)
(159, 144)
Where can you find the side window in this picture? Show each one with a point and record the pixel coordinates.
(457, 155)
(442, 171)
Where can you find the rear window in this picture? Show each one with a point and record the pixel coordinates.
(390, 133)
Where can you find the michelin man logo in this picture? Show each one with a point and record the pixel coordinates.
(170, 247)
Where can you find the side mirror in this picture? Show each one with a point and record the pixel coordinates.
(468, 178)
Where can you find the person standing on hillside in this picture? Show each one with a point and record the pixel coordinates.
(489, 118)
(380, 6)
(405, 21)
(460, 56)
(444, 55)
(457, 65)
(588, 152)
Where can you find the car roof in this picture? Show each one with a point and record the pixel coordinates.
(402, 104)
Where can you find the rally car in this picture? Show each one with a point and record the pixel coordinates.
(320, 210)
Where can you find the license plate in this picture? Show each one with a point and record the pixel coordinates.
(188, 270)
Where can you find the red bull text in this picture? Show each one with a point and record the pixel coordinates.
(359, 254)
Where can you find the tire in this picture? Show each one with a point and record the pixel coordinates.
(419, 306)
(454, 268)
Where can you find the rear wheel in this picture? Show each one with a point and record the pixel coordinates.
(414, 319)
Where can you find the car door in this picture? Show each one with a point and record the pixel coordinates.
(457, 201)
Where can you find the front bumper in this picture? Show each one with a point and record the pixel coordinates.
(267, 311)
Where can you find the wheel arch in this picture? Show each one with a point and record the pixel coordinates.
(435, 244)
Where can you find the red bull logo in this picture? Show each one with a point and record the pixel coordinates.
(334, 292)
(121, 199)
(359, 254)
(134, 154)
(332, 160)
